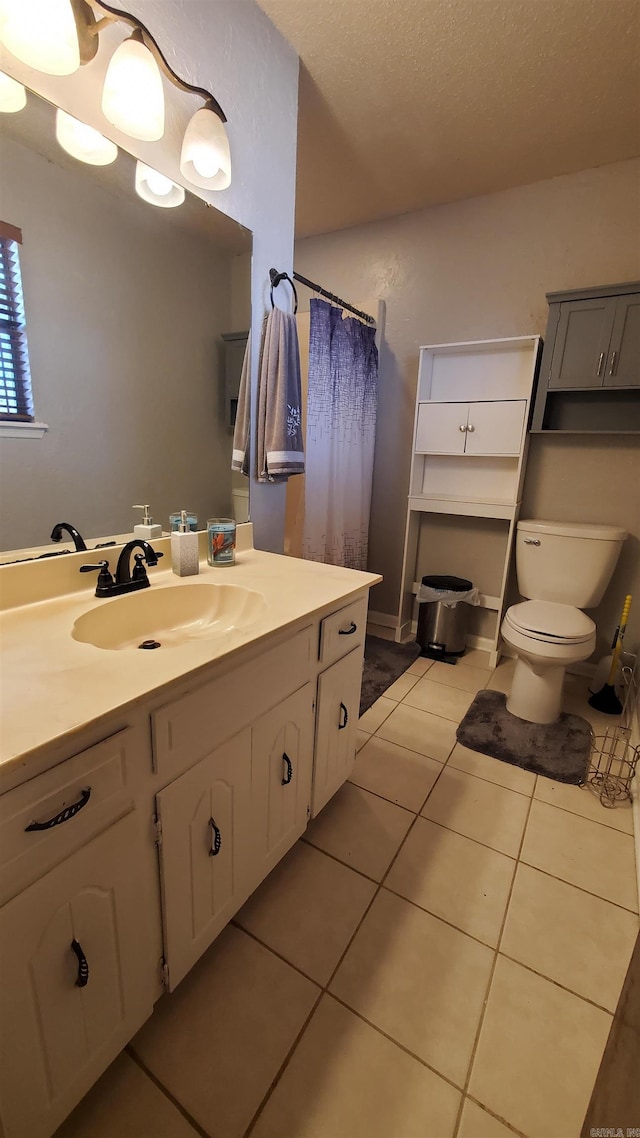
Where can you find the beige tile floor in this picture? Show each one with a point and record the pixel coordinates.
(439, 957)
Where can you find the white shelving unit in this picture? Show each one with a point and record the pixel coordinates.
(469, 452)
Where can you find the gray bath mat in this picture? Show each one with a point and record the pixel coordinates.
(384, 662)
(558, 750)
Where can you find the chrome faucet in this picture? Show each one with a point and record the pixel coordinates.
(125, 581)
(78, 541)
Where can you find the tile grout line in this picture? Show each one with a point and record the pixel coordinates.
(496, 957)
(133, 1055)
(325, 989)
(563, 881)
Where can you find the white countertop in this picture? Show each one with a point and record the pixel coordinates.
(52, 684)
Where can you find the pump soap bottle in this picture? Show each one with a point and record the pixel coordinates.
(184, 549)
(147, 529)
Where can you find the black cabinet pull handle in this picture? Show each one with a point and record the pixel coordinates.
(289, 770)
(64, 815)
(344, 722)
(348, 631)
(217, 839)
(83, 967)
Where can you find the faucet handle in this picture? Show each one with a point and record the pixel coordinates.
(105, 580)
(139, 571)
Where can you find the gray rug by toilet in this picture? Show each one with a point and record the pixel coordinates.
(558, 750)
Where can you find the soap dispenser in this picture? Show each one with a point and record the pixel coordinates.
(184, 549)
(147, 529)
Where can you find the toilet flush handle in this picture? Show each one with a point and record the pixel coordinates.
(532, 541)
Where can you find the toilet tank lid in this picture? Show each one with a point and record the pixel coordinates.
(574, 529)
(551, 619)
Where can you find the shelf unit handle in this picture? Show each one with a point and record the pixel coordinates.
(612, 365)
(462, 427)
(471, 427)
(600, 363)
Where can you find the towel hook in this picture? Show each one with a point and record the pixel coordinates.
(276, 278)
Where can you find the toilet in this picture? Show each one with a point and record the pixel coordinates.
(562, 567)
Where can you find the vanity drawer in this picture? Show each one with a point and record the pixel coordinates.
(194, 725)
(44, 820)
(343, 631)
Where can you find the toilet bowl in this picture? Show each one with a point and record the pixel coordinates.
(562, 567)
(546, 638)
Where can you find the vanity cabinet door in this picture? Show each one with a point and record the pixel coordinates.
(77, 978)
(623, 364)
(282, 762)
(336, 726)
(206, 851)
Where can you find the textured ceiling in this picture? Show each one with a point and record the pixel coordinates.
(407, 103)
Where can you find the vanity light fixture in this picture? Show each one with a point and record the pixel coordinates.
(49, 35)
(56, 36)
(156, 188)
(132, 97)
(13, 96)
(83, 142)
(205, 160)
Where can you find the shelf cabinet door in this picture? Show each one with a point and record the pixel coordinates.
(495, 428)
(58, 1036)
(582, 343)
(206, 851)
(441, 428)
(336, 726)
(623, 363)
(282, 767)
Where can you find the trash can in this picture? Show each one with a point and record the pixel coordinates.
(443, 615)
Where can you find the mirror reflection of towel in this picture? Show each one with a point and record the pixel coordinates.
(240, 455)
(280, 440)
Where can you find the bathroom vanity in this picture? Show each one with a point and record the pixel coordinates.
(144, 795)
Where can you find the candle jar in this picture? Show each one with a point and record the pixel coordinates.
(221, 541)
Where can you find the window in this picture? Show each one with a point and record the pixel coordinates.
(16, 403)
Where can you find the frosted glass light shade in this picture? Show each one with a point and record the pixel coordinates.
(43, 34)
(157, 189)
(205, 159)
(132, 97)
(13, 96)
(83, 142)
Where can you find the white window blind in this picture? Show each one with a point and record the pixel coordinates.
(16, 403)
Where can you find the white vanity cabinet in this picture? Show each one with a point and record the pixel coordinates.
(205, 842)
(125, 860)
(77, 979)
(342, 638)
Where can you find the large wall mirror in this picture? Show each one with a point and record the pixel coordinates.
(136, 319)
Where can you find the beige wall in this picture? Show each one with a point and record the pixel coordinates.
(125, 311)
(479, 269)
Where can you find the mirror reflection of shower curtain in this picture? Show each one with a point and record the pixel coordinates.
(340, 437)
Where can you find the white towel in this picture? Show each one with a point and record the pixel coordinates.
(240, 455)
(280, 441)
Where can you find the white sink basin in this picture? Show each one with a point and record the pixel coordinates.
(169, 617)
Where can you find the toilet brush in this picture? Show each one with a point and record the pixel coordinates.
(606, 699)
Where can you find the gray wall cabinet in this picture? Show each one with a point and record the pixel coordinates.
(590, 371)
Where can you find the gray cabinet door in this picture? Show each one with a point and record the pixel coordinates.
(623, 364)
(582, 343)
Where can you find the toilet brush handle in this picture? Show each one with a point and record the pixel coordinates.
(620, 637)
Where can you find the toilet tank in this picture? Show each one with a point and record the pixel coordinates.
(567, 562)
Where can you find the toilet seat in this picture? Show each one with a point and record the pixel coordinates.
(550, 622)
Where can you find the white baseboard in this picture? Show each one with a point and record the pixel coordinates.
(383, 618)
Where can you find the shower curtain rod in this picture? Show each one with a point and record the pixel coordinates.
(276, 277)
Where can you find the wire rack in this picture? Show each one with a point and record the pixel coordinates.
(614, 758)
